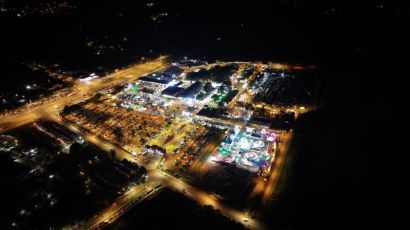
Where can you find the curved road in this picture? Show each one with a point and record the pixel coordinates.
(50, 109)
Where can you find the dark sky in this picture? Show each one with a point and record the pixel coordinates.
(299, 31)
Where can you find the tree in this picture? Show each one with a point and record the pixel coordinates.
(208, 87)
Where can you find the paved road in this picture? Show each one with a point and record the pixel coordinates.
(132, 197)
(276, 170)
(155, 175)
(82, 91)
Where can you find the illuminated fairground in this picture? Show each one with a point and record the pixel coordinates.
(185, 113)
(144, 99)
(249, 148)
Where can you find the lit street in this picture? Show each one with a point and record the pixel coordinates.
(188, 115)
(178, 130)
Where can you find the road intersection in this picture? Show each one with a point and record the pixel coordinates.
(50, 109)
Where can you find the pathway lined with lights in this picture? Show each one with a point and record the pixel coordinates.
(156, 178)
(83, 91)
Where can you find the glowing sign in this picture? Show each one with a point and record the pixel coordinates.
(272, 137)
(224, 152)
(244, 144)
(135, 87)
